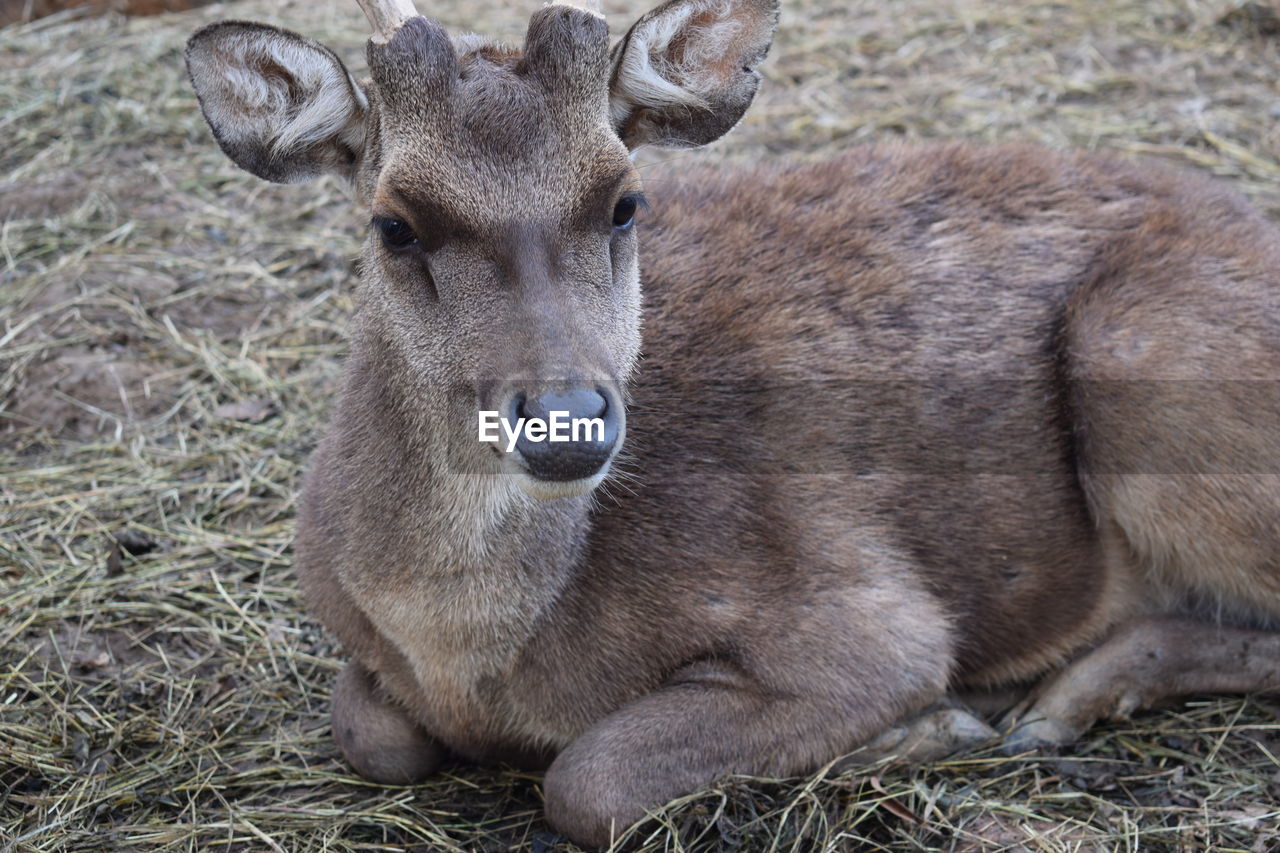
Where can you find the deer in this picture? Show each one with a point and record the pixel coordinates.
(888, 438)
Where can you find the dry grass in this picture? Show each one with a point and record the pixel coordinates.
(170, 331)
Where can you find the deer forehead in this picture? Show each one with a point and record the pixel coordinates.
(492, 112)
(501, 153)
(509, 180)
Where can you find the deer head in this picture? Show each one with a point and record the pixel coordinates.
(500, 270)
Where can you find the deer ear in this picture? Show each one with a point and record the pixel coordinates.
(281, 106)
(684, 74)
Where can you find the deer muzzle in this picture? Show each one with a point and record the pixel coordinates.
(565, 435)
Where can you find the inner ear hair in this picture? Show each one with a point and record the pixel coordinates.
(281, 106)
(683, 75)
(636, 80)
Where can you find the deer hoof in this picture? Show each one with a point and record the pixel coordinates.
(1035, 732)
(931, 735)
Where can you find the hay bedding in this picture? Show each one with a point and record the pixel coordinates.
(170, 338)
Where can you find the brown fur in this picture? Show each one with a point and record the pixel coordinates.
(908, 420)
(22, 11)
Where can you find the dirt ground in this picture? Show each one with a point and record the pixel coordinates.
(171, 331)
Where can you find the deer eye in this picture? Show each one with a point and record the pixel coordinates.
(624, 212)
(396, 235)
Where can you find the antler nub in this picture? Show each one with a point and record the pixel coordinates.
(386, 16)
(592, 6)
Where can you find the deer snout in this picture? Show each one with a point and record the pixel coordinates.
(566, 435)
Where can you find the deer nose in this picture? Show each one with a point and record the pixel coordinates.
(581, 429)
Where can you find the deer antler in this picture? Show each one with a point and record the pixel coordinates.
(386, 16)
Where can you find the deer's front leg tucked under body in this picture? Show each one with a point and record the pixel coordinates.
(1138, 665)
(677, 740)
(822, 690)
(377, 737)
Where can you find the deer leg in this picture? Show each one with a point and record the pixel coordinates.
(702, 726)
(378, 738)
(1137, 666)
(819, 679)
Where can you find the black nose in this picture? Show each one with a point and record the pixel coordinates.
(581, 430)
